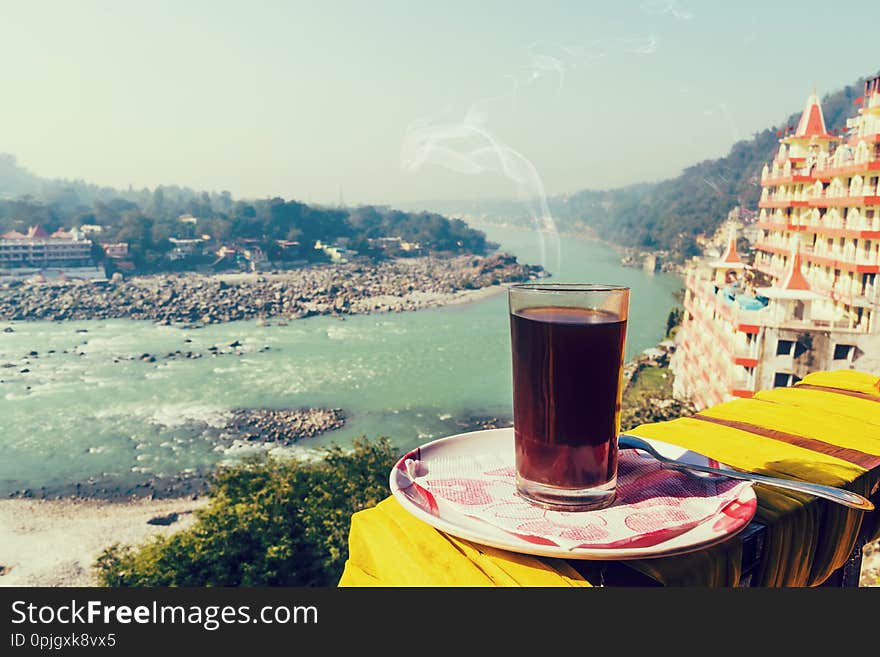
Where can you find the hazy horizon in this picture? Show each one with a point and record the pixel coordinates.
(400, 103)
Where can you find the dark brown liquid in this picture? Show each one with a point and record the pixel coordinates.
(566, 394)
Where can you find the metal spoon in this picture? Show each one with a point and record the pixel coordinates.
(845, 497)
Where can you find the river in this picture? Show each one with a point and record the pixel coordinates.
(88, 412)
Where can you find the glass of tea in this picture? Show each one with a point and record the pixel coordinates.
(568, 344)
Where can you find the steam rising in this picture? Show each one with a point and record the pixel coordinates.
(555, 59)
(468, 147)
(541, 64)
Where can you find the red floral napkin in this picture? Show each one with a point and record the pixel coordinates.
(653, 505)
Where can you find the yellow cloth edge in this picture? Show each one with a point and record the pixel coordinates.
(853, 380)
(781, 415)
(863, 410)
(432, 558)
(751, 451)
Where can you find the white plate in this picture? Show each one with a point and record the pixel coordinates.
(501, 441)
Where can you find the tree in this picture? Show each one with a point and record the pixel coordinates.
(269, 523)
(157, 206)
(97, 253)
(673, 319)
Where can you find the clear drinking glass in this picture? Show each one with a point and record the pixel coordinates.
(567, 342)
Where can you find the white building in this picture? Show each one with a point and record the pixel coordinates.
(810, 301)
(38, 249)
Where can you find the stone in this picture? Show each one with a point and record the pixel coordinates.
(165, 520)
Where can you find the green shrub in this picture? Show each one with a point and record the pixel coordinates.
(269, 522)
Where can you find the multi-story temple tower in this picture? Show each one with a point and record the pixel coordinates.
(810, 300)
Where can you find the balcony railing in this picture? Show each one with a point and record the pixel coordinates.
(864, 195)
(839, 258)
(781, 247)
(850, 167)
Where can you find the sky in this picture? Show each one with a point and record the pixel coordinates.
(401, 101)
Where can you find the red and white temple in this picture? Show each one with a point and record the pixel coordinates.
(810, 300)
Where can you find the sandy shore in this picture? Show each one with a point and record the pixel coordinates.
(420, 299)
(55, 542)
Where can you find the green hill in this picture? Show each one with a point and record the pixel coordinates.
(669, 214)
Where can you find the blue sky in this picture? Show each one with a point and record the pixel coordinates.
(395, 101)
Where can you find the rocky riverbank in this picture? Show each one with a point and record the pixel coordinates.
(282, 426)
(647, 391)
(244, 428)
(190, 484)
(339, 289)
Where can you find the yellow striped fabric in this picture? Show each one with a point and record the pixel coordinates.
(390, 547)
(826, 429)
(803, 432)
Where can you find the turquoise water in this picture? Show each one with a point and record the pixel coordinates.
(94, 413)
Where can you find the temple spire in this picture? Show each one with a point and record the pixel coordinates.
(730, 254)
(812, 123)
(794, 278)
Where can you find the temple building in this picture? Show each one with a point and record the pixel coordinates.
(810, 300)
